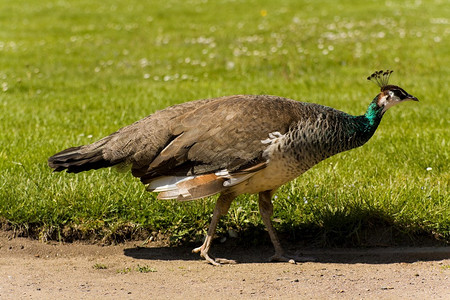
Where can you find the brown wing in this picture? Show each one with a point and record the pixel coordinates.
(223, 134)
(136, 144)
(139, 143)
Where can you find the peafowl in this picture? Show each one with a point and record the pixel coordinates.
(232, 145)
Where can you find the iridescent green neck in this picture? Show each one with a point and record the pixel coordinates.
(364, 126)
(373, 113)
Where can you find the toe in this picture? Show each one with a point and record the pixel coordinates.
(197, 250)
(225, 261)
(210, 260)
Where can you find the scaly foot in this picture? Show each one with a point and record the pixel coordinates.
(214, 262)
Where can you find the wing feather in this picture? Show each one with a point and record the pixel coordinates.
(225, 134)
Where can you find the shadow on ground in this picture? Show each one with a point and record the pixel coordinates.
(260, 254)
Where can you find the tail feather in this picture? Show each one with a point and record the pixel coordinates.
(79, 159)
(185, 188)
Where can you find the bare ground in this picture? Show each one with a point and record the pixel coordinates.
(34, 270)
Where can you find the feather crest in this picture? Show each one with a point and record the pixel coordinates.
(380, 78)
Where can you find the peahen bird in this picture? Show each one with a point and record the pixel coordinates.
(232, 145)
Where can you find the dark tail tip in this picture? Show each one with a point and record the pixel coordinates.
(78, 159)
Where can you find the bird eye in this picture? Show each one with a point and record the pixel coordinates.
(391, 94)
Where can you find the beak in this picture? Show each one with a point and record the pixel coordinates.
(411, 97)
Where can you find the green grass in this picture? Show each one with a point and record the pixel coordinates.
(99, 266)
(139, 269)
(145, 269)
(72, 72)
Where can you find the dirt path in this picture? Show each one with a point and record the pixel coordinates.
(34, 270)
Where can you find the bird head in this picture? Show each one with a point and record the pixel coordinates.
(390, 95)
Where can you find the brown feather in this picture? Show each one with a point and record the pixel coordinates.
(198, 187)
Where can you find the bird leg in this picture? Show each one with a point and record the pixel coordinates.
(222, 205)
(266, 211)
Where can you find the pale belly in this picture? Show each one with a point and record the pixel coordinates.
(272, 177)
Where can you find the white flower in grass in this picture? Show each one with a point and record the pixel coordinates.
(230, 65)
(429, 169)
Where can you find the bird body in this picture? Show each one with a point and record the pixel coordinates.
(249, 143)
(230, 145)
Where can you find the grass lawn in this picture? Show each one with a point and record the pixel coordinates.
(72, 72)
